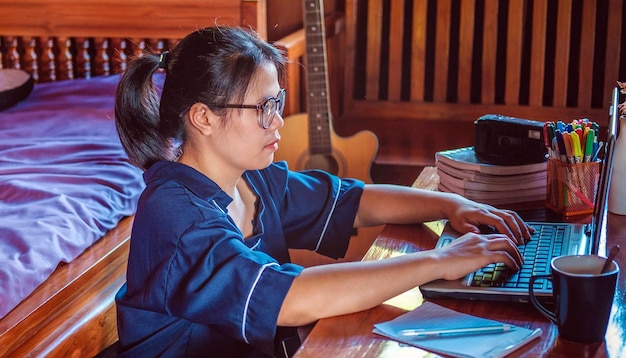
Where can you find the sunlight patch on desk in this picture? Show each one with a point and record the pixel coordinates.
(393, 349)
(614, 331)
(408, 300)
(436, 226)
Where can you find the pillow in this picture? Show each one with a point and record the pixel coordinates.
(15, 85)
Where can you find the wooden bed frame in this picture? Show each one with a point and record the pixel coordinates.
(73, 312)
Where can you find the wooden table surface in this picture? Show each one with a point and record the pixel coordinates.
(351, 335)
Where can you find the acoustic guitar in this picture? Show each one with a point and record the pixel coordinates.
(322, 148)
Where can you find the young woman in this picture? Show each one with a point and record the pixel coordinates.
(209, 271)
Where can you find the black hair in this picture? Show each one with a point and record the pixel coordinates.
(213, 65)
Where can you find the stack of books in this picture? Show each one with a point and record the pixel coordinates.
(461, 171)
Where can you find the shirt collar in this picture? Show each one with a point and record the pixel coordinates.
(193, 180)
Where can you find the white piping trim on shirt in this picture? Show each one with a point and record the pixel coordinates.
(217, 206)
(284, 348)
(256, 244)
(330, 214)
(245, 308)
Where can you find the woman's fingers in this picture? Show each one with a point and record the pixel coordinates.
(499, 244)
(511, 224)
(473, 251)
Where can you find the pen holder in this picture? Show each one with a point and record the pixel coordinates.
(572, 188)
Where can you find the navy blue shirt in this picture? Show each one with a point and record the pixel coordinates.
(195, 287)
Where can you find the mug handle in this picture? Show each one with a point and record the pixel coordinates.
(533, 299)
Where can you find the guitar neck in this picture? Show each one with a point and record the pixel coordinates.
(318, 101)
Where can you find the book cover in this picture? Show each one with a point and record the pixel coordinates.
(520, 186)
(489, 178)
(465, 159)
(495, 197)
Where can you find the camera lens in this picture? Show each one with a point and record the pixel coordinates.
(507, 142)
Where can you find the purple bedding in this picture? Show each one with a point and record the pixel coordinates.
(64, 180)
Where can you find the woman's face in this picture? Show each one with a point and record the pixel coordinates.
(245, 144)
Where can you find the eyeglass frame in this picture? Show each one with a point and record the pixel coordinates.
(279, 101)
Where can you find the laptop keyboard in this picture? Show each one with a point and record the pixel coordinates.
(545, 243)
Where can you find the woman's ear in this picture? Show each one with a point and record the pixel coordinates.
(200, 118)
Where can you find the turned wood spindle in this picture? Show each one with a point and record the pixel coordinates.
(64, 59)
(12, 57)
(83, 58)
(47, 66)
(101, 59)
(118, 55)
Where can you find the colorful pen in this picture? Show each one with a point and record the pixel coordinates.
(561, 144)
(584, 139)
(596, 145)
(567, 139)
(596, 152)
(590, 138)
(576, 151)
(428, 333)
(579, 131)
(548, 136)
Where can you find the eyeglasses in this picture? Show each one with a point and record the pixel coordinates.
(267, 109)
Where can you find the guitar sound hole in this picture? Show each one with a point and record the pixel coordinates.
(323, 162)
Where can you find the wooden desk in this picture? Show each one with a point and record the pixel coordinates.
(351, 335)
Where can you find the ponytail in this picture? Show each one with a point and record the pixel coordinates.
(137, 114)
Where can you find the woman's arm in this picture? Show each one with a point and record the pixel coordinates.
(342, 288)
(393, 204)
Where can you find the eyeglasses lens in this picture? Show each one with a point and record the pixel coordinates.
(270, 107)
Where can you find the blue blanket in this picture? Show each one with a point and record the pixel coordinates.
(64, 180)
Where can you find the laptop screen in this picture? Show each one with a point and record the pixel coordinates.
(604, 183)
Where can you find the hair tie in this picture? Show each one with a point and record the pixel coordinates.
(163, 59)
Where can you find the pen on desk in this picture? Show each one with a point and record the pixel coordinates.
(547, 142)
(576, 150)
(444, 332)
(555, 149)
(561, 145)
(579, 194)
(589, 144)
(567, 139)
(595, 126)
(580, 133)
(597, 152)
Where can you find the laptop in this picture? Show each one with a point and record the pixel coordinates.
(497, 283)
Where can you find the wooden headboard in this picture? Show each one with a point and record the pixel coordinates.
(420, 72)
(63, 39)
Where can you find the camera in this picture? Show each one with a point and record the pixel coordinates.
(505, 140)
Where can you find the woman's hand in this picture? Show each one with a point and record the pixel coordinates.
(471, 252)
(466, 216)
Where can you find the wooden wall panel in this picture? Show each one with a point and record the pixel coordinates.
(536, 59)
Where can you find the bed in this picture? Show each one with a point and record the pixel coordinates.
(67, 190)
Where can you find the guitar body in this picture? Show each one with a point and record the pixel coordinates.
(308, 141)
(350, 157)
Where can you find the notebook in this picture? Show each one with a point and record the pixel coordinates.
(551, 239)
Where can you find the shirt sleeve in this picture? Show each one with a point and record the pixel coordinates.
(318, 210)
